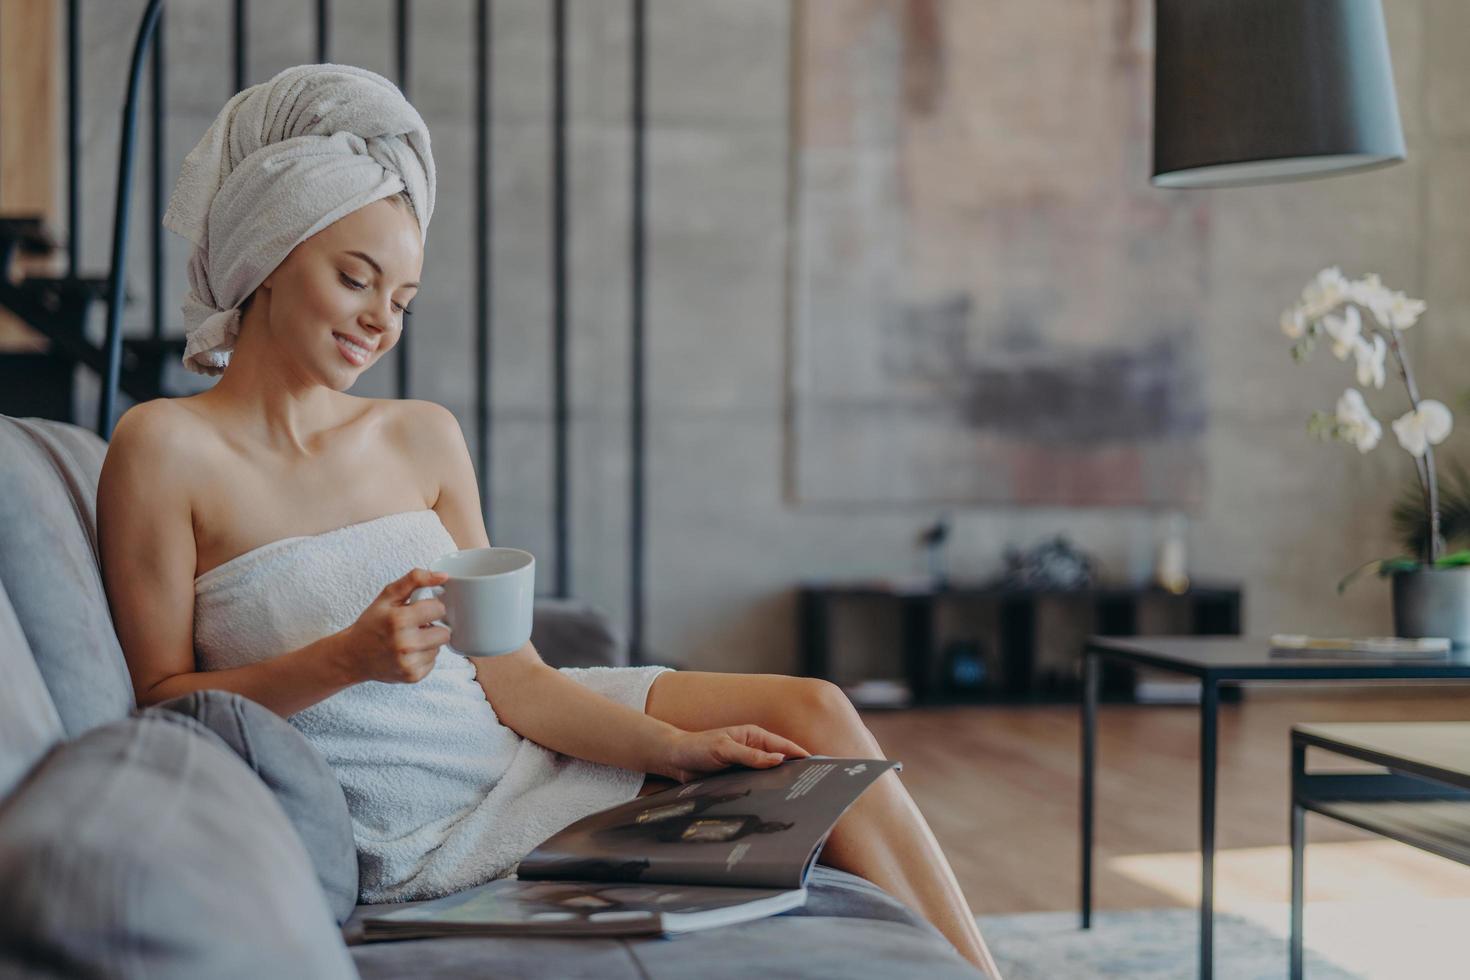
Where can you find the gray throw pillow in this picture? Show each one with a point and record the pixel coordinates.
(146, 848)
(296, 772)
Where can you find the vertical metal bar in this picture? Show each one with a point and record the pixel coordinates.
(323, 30)
(157, 134)
(812, 605)
(113, 342)
(916, 612)
(1089, 761)
(73, 135)
(240, 43)
(638, 265)
(484, 266)
(1298, 854)
(1209, 701)
(401, 28)
(559, 284)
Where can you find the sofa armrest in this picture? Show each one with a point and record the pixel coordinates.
(574, 633)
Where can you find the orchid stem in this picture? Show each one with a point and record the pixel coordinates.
(1434, 545)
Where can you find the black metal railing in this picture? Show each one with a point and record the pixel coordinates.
(122, 362)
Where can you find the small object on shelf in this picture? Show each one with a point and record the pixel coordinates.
(1053, 564)
(933, 539)
(879, 693)
(1363, 647)
(1170, 567)
(965, 672)
(1166, 690)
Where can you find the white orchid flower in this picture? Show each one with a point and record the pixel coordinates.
(1345, 331)
(1368, 292)
(1428, 425)
(1294, 323)
(1391, 308)
(1401, 311)
(1356, 423)
(1324, 293)
(1371, 359)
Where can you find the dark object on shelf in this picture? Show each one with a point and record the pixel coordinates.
(933, 539)
(1053, 564)
(965, 671)
(1011, 672)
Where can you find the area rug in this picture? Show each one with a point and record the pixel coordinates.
(1149, 944)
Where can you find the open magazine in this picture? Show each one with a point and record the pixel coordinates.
(730, 847)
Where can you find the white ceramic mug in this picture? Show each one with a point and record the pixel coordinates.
(488, 599)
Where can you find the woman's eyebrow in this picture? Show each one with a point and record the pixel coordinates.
(376, 268)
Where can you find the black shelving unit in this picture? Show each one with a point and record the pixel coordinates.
(1010, 651)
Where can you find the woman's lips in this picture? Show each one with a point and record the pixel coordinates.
(354, 353)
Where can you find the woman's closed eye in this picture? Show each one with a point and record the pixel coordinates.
(354, 284)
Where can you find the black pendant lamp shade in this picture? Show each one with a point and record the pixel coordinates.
(1255, 91)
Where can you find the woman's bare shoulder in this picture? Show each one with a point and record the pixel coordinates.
(154, 426)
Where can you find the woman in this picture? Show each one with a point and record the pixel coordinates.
(246, 533)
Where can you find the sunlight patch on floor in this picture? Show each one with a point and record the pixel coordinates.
(1375, 907)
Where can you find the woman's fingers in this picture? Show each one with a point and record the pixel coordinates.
(748, 755)
(416, 578)
(760, 738)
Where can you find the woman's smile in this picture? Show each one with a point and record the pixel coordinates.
(355, 352)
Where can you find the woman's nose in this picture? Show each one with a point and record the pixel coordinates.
(379, 318)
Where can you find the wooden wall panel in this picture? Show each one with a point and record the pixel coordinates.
(30, 161)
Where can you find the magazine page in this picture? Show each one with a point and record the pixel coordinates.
(757, 828)
(569, 908)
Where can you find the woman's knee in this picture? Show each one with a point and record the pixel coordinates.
(820, 717)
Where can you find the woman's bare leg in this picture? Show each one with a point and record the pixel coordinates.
(883, 837)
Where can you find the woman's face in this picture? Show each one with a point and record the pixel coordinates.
(336, 301)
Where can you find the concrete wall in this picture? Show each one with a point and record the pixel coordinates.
(1282, 515)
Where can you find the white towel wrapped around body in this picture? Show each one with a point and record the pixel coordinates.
(283, 160)
(442, 795)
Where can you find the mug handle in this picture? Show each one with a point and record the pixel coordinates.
(424, 593)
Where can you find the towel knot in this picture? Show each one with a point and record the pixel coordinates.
(207, 350)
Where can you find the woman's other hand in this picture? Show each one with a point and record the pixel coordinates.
(691, 754)
(392, 640)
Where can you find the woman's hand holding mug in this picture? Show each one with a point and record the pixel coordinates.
(396, 641)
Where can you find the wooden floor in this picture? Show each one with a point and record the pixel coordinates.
(1000, 787)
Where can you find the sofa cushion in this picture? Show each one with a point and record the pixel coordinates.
(849, 929)
(574, 633)
(293, 770)
(29, 725)
(146, 848)
(49, 567)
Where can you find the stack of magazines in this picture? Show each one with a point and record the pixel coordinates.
(734, 846)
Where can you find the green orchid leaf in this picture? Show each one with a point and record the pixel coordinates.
(1392, 566)
(1454, 560)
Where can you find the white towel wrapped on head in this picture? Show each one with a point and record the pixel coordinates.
(283, 160)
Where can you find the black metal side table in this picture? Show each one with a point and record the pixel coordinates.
(1218, 661)
(1421, 798)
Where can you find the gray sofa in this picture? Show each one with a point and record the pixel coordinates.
(205, 837)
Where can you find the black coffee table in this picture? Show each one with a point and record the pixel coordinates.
(1219, 661)
(1421, 796)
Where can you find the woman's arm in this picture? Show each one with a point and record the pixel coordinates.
(286, 684)
(546, 706)
(541, 703)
